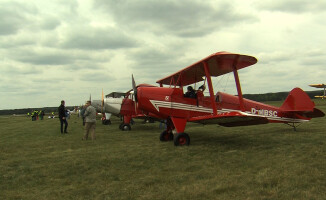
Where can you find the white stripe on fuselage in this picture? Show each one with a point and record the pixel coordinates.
(180, 106)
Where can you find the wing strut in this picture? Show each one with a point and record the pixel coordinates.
(210, 87)
(237, 81)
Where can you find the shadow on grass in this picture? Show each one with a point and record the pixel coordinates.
(229, 141)
(254, 137)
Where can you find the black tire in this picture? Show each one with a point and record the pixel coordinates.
(182, 139)
(166, 136)
(120, 126)
(125, 127)
(106, 122)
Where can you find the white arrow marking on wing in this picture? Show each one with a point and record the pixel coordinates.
(164, 104)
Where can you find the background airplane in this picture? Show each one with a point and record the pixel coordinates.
(319, 86)
(122, 105)
(109, 105)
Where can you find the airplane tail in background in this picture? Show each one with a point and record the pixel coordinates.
(300, 103)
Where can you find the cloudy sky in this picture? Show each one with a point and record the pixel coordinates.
(69, 49)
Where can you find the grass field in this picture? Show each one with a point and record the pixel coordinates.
(256, 162)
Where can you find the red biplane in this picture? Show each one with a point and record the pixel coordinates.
(223, 109)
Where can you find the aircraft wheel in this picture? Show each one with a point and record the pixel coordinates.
(166, 136)
(120, 126)
(125, 127)
(182, 139)
(106, 122)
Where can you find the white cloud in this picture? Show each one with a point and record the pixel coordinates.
(191, 19)
(93, 38)
(293, 6)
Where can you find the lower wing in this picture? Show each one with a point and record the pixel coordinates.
(230, 119)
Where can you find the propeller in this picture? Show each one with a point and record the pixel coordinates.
(134, 87)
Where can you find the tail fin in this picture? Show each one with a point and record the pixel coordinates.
(298, 101)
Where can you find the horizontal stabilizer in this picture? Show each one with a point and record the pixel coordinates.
(313, 114)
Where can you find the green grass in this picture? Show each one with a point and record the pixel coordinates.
(256, 162)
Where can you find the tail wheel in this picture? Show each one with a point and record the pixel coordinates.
(182, 139)
(166, 136)
(126, 127)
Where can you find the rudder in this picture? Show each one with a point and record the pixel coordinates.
(298, 101)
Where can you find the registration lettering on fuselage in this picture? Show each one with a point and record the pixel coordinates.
(263, 112)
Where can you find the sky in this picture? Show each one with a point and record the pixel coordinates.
(71, 49)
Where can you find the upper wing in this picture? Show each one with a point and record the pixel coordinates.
(218, 63)
(141, 85)
(318, 85)
(230, 119)
(116, 94)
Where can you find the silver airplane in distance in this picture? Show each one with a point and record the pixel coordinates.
(110, 105)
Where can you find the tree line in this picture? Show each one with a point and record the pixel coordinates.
(279, 96)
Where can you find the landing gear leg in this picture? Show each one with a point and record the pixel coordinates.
(167, 135)
(181, 138)
(294, 126)
(125, 126)
(178, 125)
(106, 122)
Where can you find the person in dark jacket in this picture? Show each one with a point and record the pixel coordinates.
(62, 117)
(191, 93)
(82, 112)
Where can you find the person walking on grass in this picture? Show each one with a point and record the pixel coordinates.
(62, 117)
(90, 121)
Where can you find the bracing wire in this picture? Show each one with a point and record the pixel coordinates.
(219, 81)
(222, 82)
(226, 83)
